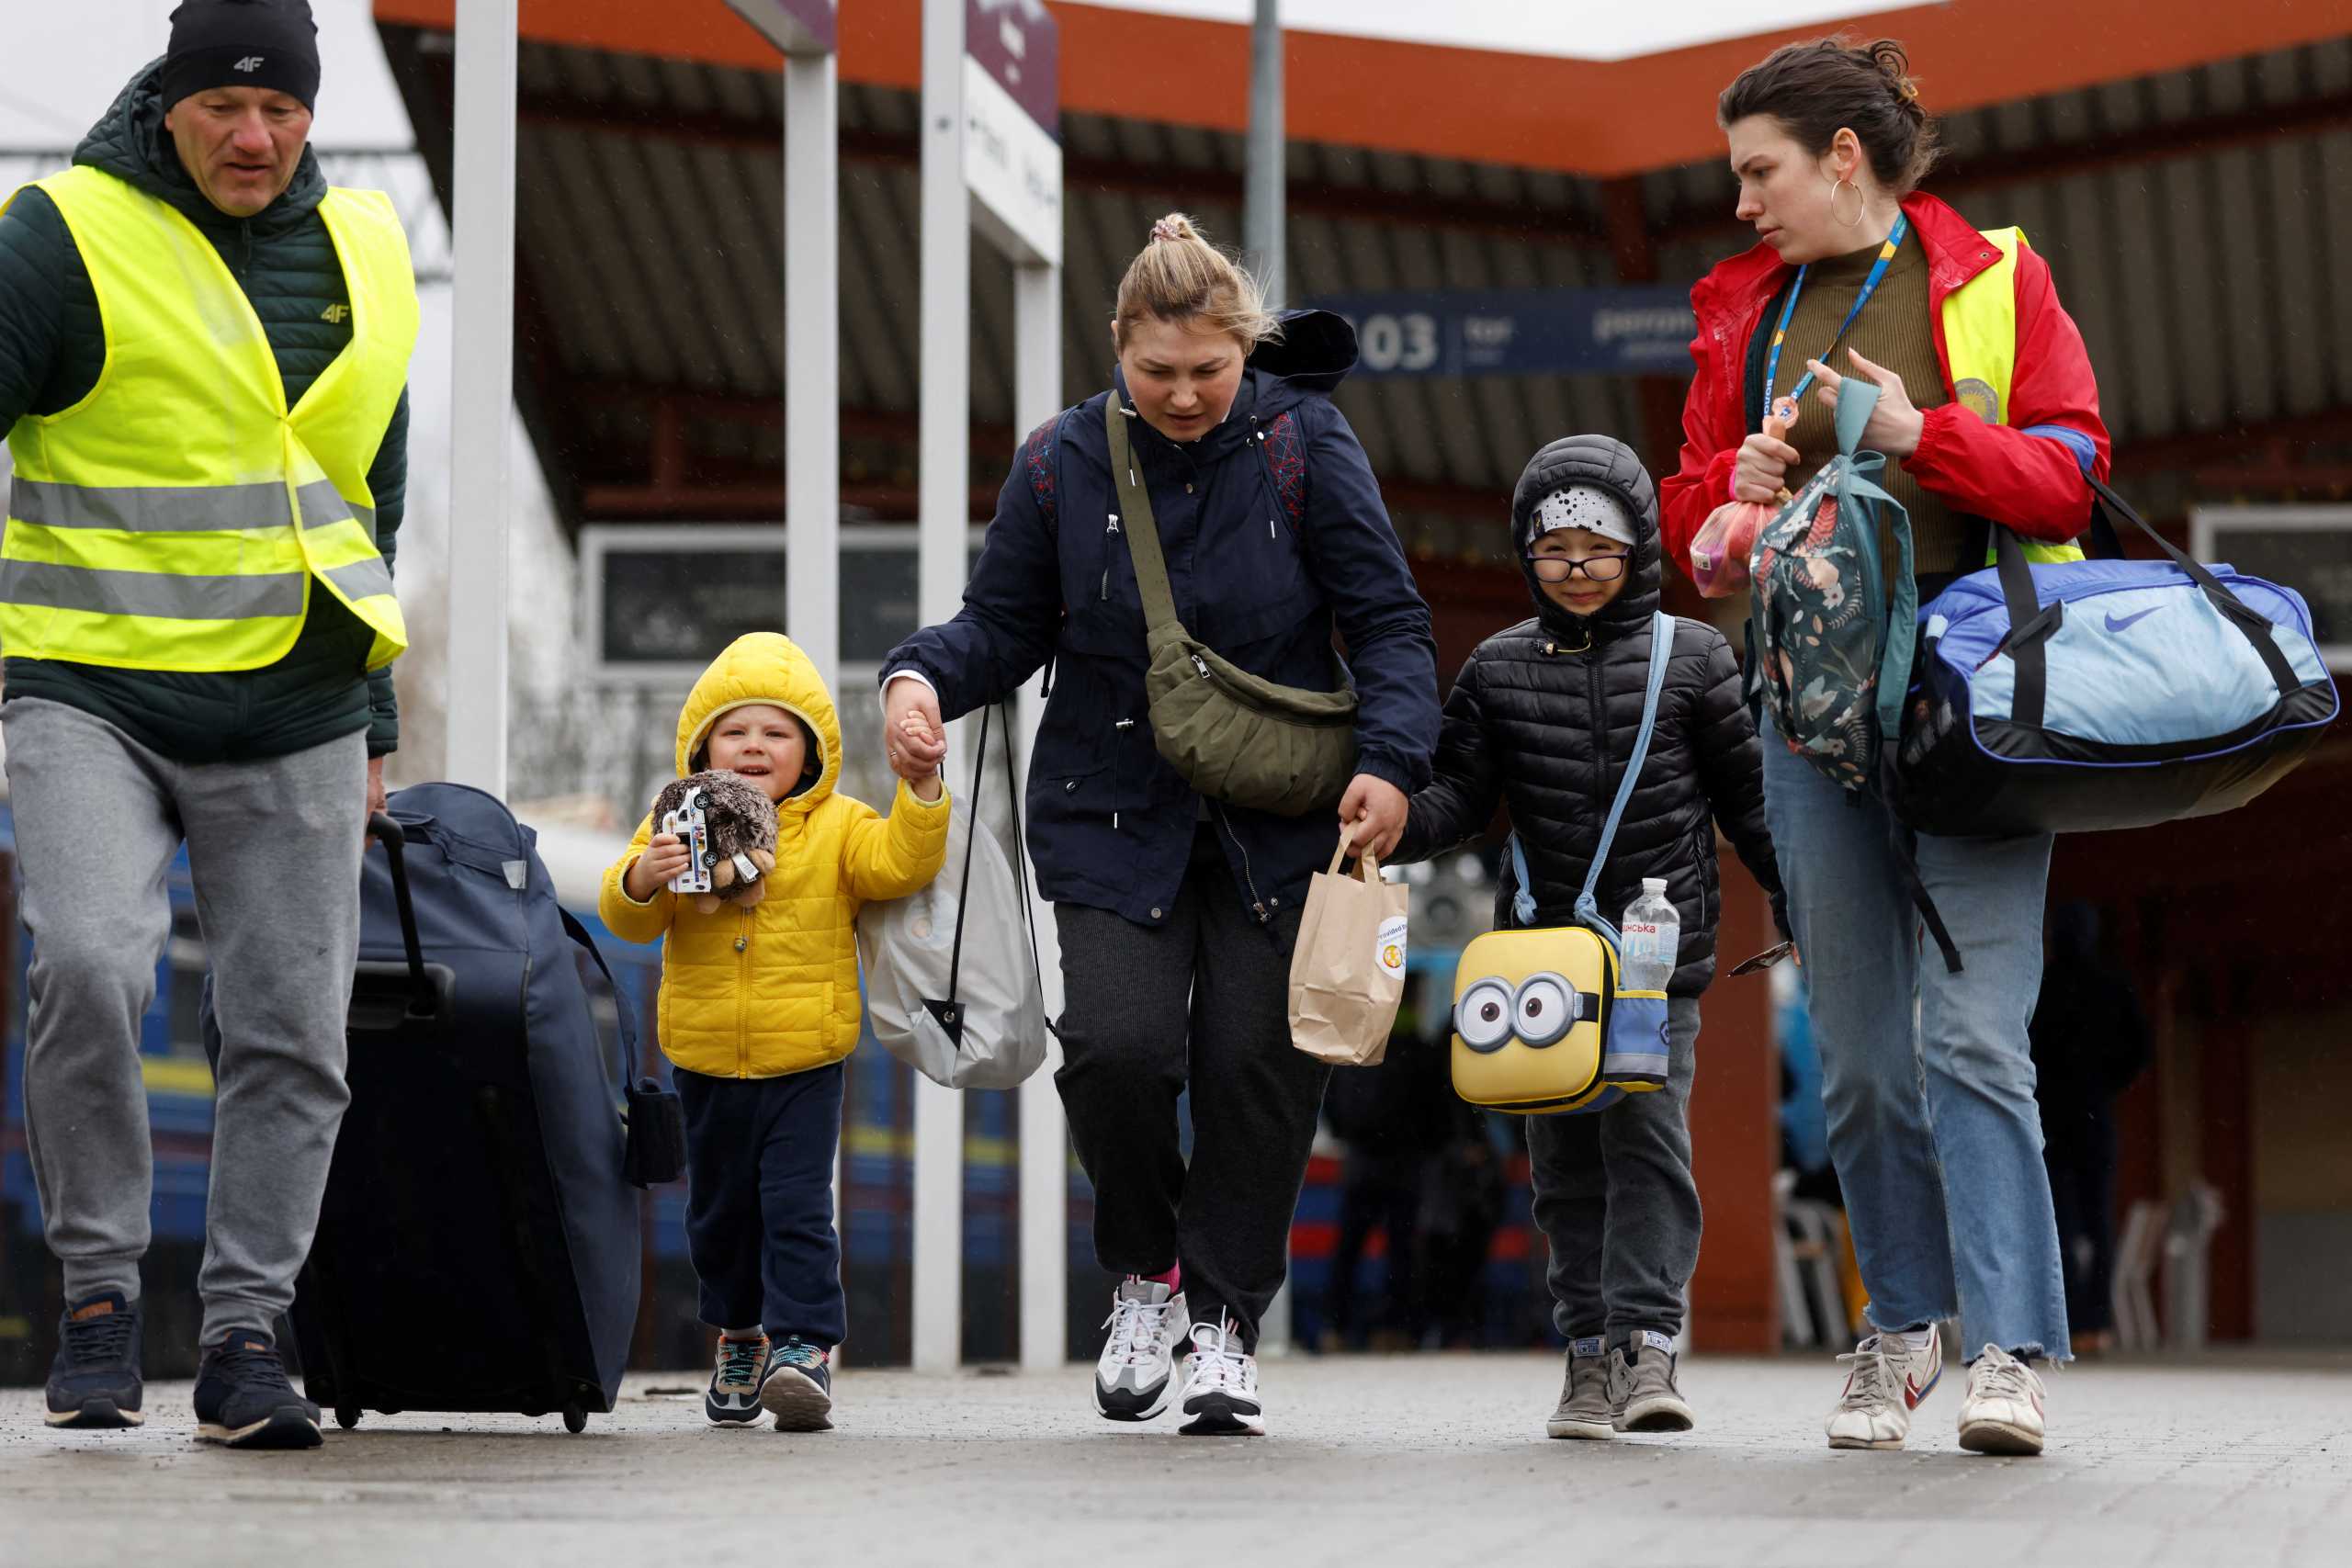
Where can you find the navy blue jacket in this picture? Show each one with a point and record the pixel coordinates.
(1112, 823)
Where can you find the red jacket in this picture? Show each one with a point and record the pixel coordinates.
(2033, 482)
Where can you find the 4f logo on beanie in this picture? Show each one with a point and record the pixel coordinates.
(249, 63)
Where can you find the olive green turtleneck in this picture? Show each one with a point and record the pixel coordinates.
(1895, 330)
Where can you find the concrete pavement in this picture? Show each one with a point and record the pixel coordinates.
(1426, 1460)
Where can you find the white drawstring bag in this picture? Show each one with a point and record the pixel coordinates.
(949, 989)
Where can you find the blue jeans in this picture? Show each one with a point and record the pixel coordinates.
(1927, 1075)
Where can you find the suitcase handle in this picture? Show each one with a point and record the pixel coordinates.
(426, 1000)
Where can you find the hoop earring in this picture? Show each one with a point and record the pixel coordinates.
(1860, 204)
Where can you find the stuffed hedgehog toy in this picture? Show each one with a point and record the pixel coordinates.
(738, 829)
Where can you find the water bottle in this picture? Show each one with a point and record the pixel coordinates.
(1652, 933)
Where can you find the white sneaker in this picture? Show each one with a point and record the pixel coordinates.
(1886, 1382)
(1220, 1394)
(2002, 1413)
(1147, 1324)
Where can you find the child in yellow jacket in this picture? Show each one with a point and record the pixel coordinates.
(759, 1007)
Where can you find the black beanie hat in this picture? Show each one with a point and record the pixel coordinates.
(242, 43)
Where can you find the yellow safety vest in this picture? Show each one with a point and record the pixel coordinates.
(1981, 341)
(177, 517)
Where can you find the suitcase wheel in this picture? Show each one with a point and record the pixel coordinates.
(346, 1417)
(575, 1419)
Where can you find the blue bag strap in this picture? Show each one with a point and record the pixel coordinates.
(578, 934)
(1902, 596)
(1856, 400)
(1588, 910)
(1661, 650)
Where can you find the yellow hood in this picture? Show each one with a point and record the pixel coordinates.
(765, 667)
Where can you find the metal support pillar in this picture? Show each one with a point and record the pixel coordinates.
(812, 456)
(1044, 1137)
(481, 411)
(1262, 223)
(945, 502)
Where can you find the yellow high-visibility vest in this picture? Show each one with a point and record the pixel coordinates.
(178, 516)
(1981, 341)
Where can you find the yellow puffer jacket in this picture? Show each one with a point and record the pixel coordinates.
(772, 989)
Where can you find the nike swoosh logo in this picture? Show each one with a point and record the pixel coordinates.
(2114, 625)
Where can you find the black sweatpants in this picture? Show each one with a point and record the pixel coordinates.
(1615, 1198)
(1201, 999)
(759, 1156)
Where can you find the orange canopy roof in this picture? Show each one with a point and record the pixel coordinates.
(1594, 118)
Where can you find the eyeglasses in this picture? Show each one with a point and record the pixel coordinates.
(1559, 568)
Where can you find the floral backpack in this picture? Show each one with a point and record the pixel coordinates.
(1831, 628)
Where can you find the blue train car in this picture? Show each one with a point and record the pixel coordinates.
(877, 1174)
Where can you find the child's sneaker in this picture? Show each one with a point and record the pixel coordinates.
(1220, 1394)
(1147, 1324)
(244, 1400)
(799, 1388)
(94, 1382)
(733, 1397)
(1888, 1381)
(1648, 1399)
(1585, 1410)
(2002, 1411)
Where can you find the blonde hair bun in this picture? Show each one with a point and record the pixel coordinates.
(1179, 276)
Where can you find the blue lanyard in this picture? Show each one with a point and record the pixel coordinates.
(1870, 286)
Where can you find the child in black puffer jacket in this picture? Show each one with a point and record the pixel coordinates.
(1543, 717)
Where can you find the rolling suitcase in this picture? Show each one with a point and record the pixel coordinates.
(478, 1246)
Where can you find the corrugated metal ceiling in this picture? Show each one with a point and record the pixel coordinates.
(2209, 271)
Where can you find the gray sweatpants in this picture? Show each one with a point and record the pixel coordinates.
(1615, 1198)
(273, 852)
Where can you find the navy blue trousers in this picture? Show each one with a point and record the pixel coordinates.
(760, 1156)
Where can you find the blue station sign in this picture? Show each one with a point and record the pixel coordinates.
(1520, 332)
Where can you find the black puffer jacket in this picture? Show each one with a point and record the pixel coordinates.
(52, 347)
(1544, 716)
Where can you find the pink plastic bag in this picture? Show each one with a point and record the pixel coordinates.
(1719, 552)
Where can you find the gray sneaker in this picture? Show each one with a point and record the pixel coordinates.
(1647, 1399)
(1585, 1410)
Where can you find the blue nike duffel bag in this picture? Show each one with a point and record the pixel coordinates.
(2105, 693)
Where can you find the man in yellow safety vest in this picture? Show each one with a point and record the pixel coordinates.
(203, 363)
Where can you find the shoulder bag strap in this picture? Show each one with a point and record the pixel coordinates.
(2252, 622)
(1661, 649)
(578, 934)
(952, 1021)
(1136, 521)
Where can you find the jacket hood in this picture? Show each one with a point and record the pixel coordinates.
(1611, 466)
(764, 667)
(130, 142)
(1315, 352)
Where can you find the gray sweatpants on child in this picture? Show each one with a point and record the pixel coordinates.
(1615, 1198)
(274, 851)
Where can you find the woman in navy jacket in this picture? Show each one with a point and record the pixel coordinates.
(1178, 912)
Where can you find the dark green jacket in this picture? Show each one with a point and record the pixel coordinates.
(52, 347)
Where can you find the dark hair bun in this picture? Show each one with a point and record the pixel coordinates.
(1819, 88)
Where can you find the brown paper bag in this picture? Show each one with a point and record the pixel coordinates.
(1347, 974)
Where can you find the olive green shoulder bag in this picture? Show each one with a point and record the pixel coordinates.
(1236, 736)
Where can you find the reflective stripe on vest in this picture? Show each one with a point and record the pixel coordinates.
(149, 508)
(181, 515)
(1980, 321)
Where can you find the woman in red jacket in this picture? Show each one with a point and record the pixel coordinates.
(1988, 411)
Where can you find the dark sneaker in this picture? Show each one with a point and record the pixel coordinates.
(1647, 1400)
(94, 1382)
(799, 1388)
(244, 1400)
(733, 1397)
(1586, 1409)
